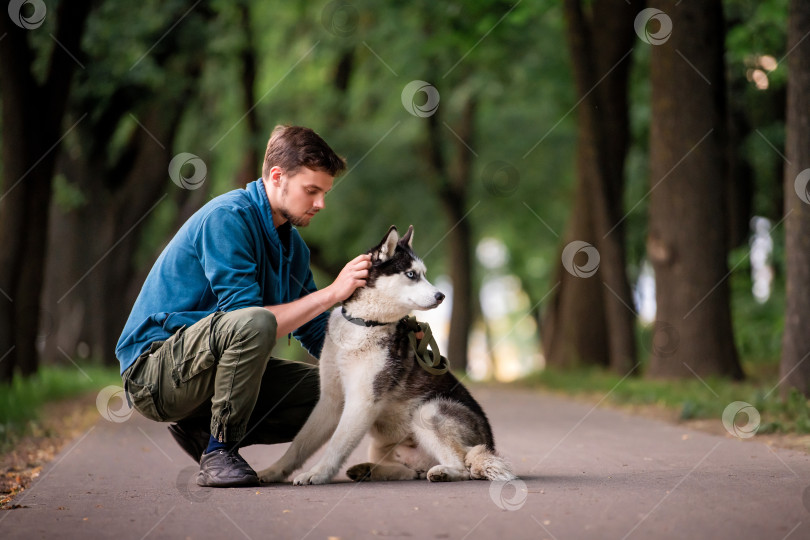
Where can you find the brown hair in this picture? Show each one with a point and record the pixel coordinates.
(293, 147)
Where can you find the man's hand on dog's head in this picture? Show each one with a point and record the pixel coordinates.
(352, 276)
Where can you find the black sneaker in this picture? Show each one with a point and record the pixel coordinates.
(221, 468)
(193, 440)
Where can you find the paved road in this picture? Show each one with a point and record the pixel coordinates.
(585, 473)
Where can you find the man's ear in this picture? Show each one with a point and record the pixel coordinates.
(385, 250)
(407, 238)
(275, 173)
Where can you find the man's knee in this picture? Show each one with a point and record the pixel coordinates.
(256, 324)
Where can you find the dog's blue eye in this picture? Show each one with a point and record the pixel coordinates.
(410, 274)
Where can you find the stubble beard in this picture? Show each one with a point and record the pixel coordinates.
(297, 221)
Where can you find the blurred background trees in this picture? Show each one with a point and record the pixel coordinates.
(592, 183)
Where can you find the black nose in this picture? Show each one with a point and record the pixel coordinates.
(439, 297)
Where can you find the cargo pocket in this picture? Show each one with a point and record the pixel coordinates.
(191, 355)
(144, 400)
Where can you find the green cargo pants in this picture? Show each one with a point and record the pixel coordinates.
(218, 375)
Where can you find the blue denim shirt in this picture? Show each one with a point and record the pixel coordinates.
(227, 256)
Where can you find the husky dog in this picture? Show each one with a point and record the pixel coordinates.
(422, 425)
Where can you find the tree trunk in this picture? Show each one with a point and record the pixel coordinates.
(32, 122)
(795, 367)
(452, 184)
(252, 161)
(92, 286)
(590, 320)
(687, 238)
(92, 275)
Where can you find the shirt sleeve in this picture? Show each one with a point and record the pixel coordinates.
(226, 249)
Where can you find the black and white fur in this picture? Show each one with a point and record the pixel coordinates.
(422, 425)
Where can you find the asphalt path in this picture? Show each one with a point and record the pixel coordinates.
(585, 472)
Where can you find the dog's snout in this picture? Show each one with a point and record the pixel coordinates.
(439, 297)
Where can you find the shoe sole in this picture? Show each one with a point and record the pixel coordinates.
(206, 481)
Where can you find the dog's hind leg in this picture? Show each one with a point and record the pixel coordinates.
(382, 466)
(439, 438)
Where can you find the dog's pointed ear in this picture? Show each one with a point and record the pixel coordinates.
(407, 238)
(385, 250)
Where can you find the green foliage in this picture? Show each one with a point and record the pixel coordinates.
(67, 196)
(757, 326)
(512, 57)
(22, 399)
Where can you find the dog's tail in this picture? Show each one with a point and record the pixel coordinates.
(485, 464)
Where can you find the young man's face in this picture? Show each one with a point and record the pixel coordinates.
(300, 196)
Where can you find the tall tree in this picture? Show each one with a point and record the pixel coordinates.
(452, 184)
(122, 180)
(687, 238)
(795, 366)
(33, 114)
(589, 320)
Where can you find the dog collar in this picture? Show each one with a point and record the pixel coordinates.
(430, 360)
(362, 322)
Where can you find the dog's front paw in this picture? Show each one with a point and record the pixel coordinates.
(312, 477)
(272, 475)
(360, 472)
